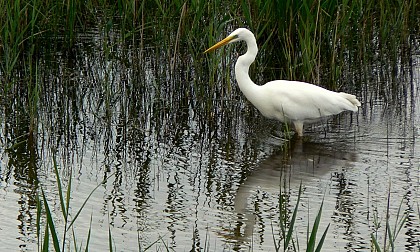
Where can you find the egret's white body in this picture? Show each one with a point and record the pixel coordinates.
(287, 101)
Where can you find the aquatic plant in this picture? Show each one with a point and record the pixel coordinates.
(287, 227)
(391, 232)
(300, 36)
(50, 229)
(322, 34)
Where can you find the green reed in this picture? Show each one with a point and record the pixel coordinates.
(287, 227)
(34, 90)
(305, 40)
(13, 32)
(314, 40)
(50, 233)
(44, 213)
(391, 232)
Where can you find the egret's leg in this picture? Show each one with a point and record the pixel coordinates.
(298, 127)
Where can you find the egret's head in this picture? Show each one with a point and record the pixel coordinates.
(236, 35)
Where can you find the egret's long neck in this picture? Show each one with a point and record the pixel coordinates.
(247, 86)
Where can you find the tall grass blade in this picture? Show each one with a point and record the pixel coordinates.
(312, 239)
(391, 241)
(110, 239)
(399, 223)
(89, 233)
(68, 194)
(276, 244)
(375, 243)
(178, 34)
(282, 226)
(387, 229)
(38, 218)
(46, 239)
(321, 242)
(293, 220)
(86, 200)
(51, 223)
(75, 241)
(153, 243)
(164, 244)
(60, 189)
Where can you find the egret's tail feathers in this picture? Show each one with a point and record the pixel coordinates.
(351, 98)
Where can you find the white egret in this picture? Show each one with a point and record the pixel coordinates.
(292, 102)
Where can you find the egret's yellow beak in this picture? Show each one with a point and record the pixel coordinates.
(220, 43)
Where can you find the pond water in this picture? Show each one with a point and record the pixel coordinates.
(191, 173)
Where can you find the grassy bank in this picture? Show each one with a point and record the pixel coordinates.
(310, 40)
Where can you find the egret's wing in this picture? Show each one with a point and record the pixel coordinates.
(304, 101)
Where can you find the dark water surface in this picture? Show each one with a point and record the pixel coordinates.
(190, 170)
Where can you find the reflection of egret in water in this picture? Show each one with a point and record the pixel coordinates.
(256, 201)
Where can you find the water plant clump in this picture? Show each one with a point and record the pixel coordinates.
(301, 37)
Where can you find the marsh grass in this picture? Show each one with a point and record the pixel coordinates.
(44, 214)
(391, 230)
(317, 39)
(48, 233)
(303, 40)
(285, 241)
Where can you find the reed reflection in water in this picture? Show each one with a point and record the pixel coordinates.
(195, 166)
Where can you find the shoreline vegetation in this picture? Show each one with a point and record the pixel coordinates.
(302, 37)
